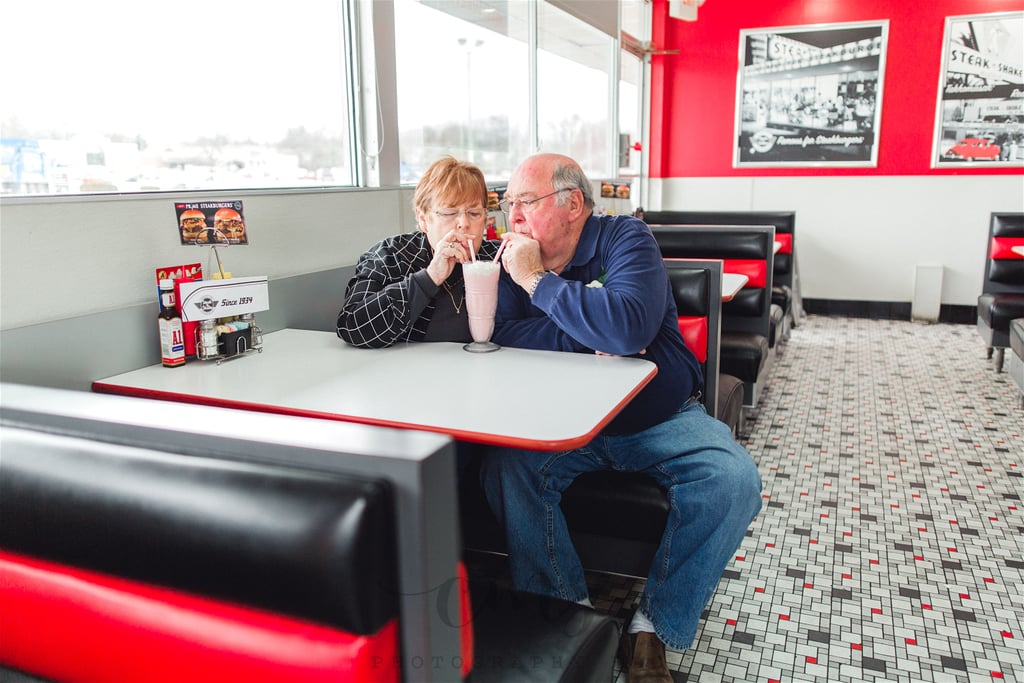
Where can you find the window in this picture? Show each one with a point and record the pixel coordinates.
(634, 19)
(474, 97)
(631, 80)
(635, 34)
(470, 98)
(118, 96)
(573, 89)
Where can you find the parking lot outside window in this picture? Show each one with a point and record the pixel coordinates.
(118, 96)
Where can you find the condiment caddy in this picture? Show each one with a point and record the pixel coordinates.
(216, 315)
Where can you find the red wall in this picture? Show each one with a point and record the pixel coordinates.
(693, 94)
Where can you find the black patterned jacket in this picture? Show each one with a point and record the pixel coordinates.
(390, 298)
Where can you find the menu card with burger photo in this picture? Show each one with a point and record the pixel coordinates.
(211, 222)
(615, 198)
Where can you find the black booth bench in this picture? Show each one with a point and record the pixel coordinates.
(146, 540)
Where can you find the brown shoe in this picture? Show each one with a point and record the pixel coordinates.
(643, 658)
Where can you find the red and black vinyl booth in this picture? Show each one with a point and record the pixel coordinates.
(1002, 297)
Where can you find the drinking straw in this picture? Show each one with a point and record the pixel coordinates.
(472, 251)
(497, 257)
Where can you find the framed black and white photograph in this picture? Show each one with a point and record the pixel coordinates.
(810, 95)
(979, 119)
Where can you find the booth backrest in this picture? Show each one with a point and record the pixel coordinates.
(156, 553)
(784, 222)
(697, 289)
(1004, 268)
(204, 526)
(742, 250)
(199, 548)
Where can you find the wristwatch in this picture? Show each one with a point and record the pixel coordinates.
(537, 277)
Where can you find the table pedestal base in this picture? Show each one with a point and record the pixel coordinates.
(481, 347)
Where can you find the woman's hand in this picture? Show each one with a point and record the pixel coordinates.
(447, 253)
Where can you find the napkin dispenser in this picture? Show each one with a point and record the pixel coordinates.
(232, 303)
(206, 299)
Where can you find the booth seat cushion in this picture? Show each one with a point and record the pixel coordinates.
(997, 310)
(775, 318)
(782, 296)
(616, 520)
(743, 355)
(595, 501)
(749, 302)
(783, 262)
(523, 638)
(109, 629)
(730, 401)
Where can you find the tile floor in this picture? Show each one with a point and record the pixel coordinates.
(891, 542)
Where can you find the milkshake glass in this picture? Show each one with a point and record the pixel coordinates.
(481, 278)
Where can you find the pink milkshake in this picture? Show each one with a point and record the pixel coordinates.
(481, 279)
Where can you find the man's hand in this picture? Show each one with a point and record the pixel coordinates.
(521, 258)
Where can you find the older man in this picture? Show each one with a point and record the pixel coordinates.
(585, 284)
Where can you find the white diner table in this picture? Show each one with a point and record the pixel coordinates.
(541, 400)
(1018, 250)
(732, 283)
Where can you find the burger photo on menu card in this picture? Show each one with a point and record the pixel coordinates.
(230, 224)
(192, 223)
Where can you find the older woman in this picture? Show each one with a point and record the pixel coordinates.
(407, 287)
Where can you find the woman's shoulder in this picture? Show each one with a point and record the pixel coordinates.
(403, 246)
(396, 256)
(415, 239)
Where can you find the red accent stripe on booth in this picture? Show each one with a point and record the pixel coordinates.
(466, 619)
(694, 329)
(69, 624)
(1000, 247)
(786, 240)
(756, 271)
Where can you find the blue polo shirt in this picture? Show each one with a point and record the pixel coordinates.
(634, 310)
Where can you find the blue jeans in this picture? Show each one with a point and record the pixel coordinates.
(714, 492)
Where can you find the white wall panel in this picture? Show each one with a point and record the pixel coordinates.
(861, 237)
(66, 257)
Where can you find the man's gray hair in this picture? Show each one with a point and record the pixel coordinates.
(570, 176)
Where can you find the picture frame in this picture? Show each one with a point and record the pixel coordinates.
(979, 115)
(810, 95)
